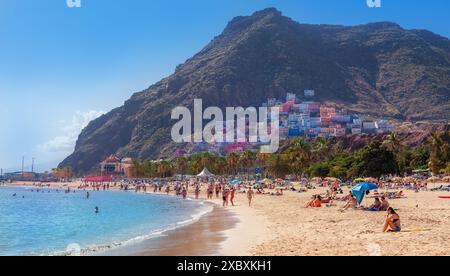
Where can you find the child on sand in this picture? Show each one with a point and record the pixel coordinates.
(393, 223)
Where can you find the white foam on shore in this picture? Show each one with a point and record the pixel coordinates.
(96, 249)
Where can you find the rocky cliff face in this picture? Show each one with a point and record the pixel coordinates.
(379, 69)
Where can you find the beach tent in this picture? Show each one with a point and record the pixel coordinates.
(205, 173)
(360, 190)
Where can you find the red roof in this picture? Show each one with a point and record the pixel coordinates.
(112, 159)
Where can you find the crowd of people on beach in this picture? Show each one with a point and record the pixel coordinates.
(224, 190)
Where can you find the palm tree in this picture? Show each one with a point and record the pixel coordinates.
(261, 160)
(247, 160)
(320, 148)
(278, 166)
(392, 143)
(164, 168)
(299, 156)
(135, 169)
(181, 165)
(435, 163)
(233, 162)
(219, 166)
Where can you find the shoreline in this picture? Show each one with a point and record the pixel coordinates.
(282, 226)
(224, 231)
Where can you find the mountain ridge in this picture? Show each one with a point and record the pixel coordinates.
(378, 68)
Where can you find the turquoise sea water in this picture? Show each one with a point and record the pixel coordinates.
(50, 222)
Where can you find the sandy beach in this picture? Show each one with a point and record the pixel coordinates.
(281, 226)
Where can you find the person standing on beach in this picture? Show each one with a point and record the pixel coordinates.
(210, 191)
(232, 194)
(197, 191)
(217, 186)
(184, 192)
(225, 195)
(250, 196)
(167, 189)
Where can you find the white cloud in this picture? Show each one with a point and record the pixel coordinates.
(70, 131)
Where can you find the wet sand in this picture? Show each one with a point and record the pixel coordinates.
(201, 238)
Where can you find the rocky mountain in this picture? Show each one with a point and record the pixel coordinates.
(378, 69)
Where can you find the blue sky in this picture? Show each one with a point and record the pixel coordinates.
(61, 67)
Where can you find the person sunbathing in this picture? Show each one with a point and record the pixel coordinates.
(393, 223)
(351, 203)
(316, 202)
(376, 206)
(347, 197)
(385, 204)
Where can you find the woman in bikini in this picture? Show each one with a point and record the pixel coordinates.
(232, 195)
(351, 203)
(393, 223)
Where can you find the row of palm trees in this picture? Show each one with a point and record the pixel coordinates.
(300, 155)
(294, 160)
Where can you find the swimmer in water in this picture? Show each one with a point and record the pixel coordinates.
(97, 210)
(87, 195)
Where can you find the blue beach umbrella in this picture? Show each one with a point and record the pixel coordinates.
(360, 190)
(234, 182)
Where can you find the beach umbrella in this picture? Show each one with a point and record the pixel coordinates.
(234, 182)
(360, 190)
